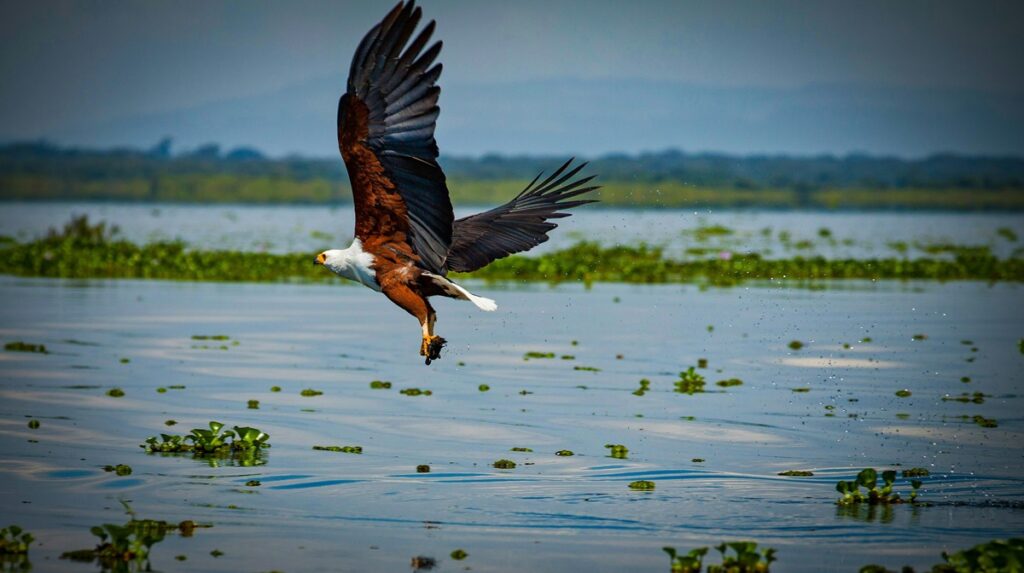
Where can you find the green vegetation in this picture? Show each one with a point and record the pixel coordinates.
(309, 393)
(415, 392)
(976, 398)
(119, 469)
(253, 404)
(645, 385)
(14, 541)
(564, 453)
(115, 393)
(423, 469)
(642, 485)
(617, 451)
(483, 387)
(521, 449)
(873, 495)
(380, 385)
(203, 441)
(25, 347)
(535, 354)
(504, 464)
(995, 556)
(127, 547)
(796, 345)
(985, 422)
(729, 382)
(916, 473)
(690, 382)
(796, 473)
(85, 250)
(41, 171)
(341, 449)
(744, 558)
(33, 424)
(459, 555)
(903, 393)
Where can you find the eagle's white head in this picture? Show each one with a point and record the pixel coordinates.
(352, 263)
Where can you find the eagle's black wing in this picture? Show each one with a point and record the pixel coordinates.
(386, 135)
(518, 225)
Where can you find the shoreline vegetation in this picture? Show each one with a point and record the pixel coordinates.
(667, 179)
(82, 250)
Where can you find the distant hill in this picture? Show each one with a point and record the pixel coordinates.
(208, 173)
(598, 116)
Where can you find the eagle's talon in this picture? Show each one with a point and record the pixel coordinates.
(432, 348)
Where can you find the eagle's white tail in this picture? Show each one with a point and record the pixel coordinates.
(456, 291)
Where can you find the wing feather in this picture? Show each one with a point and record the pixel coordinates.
(520, 224)
(386, 123)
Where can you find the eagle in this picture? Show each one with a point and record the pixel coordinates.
(407, 239)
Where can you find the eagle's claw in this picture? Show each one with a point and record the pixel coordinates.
(432, 348)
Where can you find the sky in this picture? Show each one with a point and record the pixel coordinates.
(905, 78)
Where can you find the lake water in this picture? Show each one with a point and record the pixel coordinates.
(310, 229)
(319, 510)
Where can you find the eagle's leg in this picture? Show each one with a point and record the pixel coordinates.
(417, 305)
(433, 343)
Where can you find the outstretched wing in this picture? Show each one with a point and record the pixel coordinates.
(518, 225)
(386, 136)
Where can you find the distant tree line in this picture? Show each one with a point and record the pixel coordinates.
(43, 171)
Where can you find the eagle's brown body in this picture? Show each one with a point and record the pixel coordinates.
(406, 236)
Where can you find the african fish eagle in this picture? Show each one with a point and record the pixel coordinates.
(406, 238)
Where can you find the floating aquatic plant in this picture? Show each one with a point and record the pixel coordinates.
(504, 464)
(744, 558)
(14, 540)
(115, 393)
(309, 393)
(586, 368)
(702, 363)
(903, 393)
(873, 494)
(275, 388)
(919, 337)
(617, 451)
(210, 337)
(642, 485)
(645, 385)
(795, 345)
(690, 382)
(253, 404)
(459, 555)
(796, 473)
(25, 347)
(564, 453)
(729, 382)
(916, 472)
(210, 441)
(33, 424)
(997, 556)
(119, 469)
(535, 354)
(483, 387)
(380, 385)
(985, 422)
(253, 483)
(423, 469)
(520, 449)
(976, 397)
(341, 449)
(121, 545)
(415, 392)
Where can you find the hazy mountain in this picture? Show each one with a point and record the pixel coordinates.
(592, 117)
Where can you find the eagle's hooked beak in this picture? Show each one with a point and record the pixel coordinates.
(319, 260)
